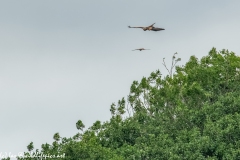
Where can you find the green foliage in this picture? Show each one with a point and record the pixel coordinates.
(56, 137)
(80, 125)
(192, 114)
(30, 147)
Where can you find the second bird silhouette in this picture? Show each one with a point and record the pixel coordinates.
(149, 28)
(140, 49)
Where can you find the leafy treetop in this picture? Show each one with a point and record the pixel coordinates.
(191, 114)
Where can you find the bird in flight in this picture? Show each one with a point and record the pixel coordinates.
(140, 49)
(149, 28)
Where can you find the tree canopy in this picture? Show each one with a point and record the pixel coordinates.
(191, 114)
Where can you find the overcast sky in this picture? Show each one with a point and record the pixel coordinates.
(65, 60)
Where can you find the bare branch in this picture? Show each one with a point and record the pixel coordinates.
(165, 65)
(174, 62)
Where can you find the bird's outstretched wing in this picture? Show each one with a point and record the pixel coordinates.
(151, 25)
(134, 27)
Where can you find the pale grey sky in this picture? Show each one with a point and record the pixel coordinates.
(65, 60)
